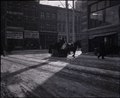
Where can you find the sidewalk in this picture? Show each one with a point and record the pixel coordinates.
(46, 51)
(92, 54)
(84, 75)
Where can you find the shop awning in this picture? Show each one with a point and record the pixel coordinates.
(104, 34)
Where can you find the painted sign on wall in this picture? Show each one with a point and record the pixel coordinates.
(14, 35)
(31, 34)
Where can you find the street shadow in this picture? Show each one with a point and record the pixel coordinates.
(10, 80)
(9, 75)
(5, 92)
(59, 83)
(63, 84)
(83, 60)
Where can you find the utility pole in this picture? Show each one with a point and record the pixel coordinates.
(5, 31)
(67, 20)
(73, 23)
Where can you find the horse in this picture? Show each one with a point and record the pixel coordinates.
(57, 50)
(73, 47)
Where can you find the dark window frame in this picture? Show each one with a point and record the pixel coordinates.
(104, 13)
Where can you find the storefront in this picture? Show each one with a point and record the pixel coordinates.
(110, 40)
(31, 39)
(14, 40)
(47, 39)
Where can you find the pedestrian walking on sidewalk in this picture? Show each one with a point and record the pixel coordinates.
(101, 51)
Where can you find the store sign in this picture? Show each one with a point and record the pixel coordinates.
(31, 34)
(14, 35)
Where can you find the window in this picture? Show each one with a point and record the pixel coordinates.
(93, 7)
(53, 16)
(42, 15)
(101, 5)
(104, 13)
(112, 15)
(119, 13)
(96, 19)
(100, 20)
(93, 18)
(107, 3)
(63, 27)
(114, 2)
(59, 27)
(48, 15)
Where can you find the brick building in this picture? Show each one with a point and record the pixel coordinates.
(30, 25)
(27, 25)
(101, 24)
(14, 26)
(47, 25)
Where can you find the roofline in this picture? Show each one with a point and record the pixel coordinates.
(59, 8)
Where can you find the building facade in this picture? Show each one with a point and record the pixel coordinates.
(81, 6)
(102, 25)
(14, 26)
(61, 24)
(27, 25)
(47, 25)
(30, 25)
(2, 33)
(31, 29)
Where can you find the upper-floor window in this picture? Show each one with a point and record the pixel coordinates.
(107, 3)
(112, 15)
(47, 15)
(114, 2)
(42, 15)
(119, 13)
(93, 7)
(103, 14)
(53, 16)
(101, 5)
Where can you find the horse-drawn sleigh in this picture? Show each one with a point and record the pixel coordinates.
(62, 49)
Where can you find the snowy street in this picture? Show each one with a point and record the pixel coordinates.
(40, 75)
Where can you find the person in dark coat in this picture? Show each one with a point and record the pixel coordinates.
(101, 51)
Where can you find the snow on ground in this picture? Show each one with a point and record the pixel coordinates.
(43, 74)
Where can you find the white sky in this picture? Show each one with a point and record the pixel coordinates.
(60, 3)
